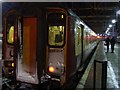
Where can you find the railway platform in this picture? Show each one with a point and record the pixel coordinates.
(93, 76)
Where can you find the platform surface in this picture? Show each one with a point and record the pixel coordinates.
(113, 73)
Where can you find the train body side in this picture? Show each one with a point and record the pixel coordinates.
(81, 40)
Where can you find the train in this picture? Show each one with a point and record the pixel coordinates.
(42, 42)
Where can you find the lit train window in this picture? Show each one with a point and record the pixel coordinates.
(10, 35)
(56, 29)
(77, 40)
(10, 20)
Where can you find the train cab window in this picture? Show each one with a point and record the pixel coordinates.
(56, 29)
(10, 35)
(56, 35)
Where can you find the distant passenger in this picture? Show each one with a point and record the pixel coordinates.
(112, 42)
(107, 43)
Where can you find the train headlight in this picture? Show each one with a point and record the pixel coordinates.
(51, 69)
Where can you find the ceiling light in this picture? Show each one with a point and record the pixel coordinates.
(118, 12)
(110, 25)
(113, 21)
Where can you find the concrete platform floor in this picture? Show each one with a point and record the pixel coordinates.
(113, 72)
(113, 76)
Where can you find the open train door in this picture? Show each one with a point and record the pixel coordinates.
(26, 66)
(29, 63)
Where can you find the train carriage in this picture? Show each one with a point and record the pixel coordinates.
(48, 42)
(67, 44)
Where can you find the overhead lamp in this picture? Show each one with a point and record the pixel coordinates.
(98, 34)
(108, 28)
(118, 12)
(113, 21)
(110, 25)
(106, 31)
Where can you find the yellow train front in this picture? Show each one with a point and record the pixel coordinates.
(48, 43)
(69, 43)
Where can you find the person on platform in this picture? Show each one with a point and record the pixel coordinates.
(112, 42)
(107, 43)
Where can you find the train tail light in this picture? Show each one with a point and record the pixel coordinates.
(12, 65)
(51, 69)
(9, 64)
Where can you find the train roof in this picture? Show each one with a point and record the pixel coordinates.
(43, 5)
(80, 21)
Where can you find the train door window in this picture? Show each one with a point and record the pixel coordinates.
(10, 35)
(10, 29)
(27, 66)
(85, 38)
(77, 39)
(56, 29)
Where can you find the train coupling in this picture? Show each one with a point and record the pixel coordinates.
(45, 78)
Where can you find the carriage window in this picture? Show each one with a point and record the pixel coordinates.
(10, 35)
(56, 29)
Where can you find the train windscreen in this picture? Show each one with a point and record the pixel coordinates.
(56, 29)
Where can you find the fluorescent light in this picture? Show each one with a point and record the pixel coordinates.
(113, 21)
(118, 12)
(110, 25)
(108, 33)
(108, 28)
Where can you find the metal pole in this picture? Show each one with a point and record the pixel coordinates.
(94, 76)
(104, 75)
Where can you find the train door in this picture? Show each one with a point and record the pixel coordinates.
(78, 45)
(56, 45)
(26, 63)
(31, 44)
(82, 43)
(9, 27)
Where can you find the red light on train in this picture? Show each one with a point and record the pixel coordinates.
(51, 69)
(98, 36)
